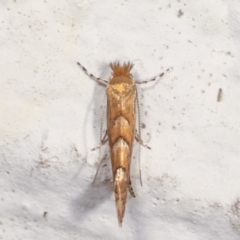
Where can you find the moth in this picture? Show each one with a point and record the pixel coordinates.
(122, 105)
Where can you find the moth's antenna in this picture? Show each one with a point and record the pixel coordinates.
(91, 75)
(139, 133)
(153, 79)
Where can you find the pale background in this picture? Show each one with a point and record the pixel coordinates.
(50, 115)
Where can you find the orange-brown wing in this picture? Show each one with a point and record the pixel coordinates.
(121, 126)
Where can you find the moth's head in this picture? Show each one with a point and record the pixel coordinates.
(121, 70)
(121, 83)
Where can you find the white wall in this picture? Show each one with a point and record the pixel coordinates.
(50, 114)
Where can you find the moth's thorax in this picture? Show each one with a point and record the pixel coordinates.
(121, 87)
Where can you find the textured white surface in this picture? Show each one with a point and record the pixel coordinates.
(50, 119)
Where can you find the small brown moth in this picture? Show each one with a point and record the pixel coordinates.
(122, 103)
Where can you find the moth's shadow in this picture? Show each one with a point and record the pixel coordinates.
(100, 103)
(96, 106)
(91, 198)
(95, 193)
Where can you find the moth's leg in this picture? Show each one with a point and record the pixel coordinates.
(91, 75)
(131, 189)
(153, 79)
(103, 141)
(137, 137)
(99, 164)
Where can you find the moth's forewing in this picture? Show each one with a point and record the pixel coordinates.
(121, 118)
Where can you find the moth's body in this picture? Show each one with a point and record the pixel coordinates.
(121, 107)
(121, 121)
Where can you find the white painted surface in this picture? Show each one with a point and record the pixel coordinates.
(50, 119)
